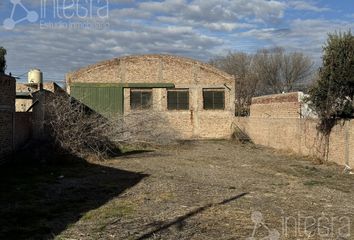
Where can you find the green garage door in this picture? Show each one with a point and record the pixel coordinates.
(106, 100)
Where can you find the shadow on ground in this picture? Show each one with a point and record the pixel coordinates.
(180, 221)
(38, 201)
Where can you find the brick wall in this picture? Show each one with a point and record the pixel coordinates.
(148, 69)
(23, 104)
(7, 109)
(281, 121)
(184, 73)
(277, 106)
(300, 136)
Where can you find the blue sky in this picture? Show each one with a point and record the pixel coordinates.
(59, 36)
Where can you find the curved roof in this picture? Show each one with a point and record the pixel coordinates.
(164, 57)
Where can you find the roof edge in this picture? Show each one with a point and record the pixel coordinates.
(276, 98)
(161, 56)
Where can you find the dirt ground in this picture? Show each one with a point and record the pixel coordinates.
(197, 190)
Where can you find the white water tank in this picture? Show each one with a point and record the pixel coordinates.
(35, 76)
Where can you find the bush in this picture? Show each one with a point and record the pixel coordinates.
(332, 95)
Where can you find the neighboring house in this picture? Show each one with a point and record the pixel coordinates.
(30, 108)
(7, 111)
(23, 101)
(24, 94)
(196, 98)
(284, 105)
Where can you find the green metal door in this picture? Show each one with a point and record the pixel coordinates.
(106, 100)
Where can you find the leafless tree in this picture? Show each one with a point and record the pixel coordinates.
(266, 72)
(279, 71)
(241, 66)
(83, 132)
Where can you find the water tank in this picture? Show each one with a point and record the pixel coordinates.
(35, 76)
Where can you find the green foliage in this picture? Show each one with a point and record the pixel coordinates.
(332, 95)
(2, 60)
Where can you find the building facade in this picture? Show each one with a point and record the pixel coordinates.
(285, 105)
(7, 111)
(196, 98)
(24, 94)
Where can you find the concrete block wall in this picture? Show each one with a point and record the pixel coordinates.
(183, 73)
(7, 110)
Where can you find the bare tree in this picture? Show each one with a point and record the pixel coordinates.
(266, 72)
(241, 66)
(83, 132)
(279, 71)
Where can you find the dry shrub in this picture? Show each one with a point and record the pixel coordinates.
(240, 136)
(84, 132)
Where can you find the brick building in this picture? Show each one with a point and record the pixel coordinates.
(287, 105)
(24, 94)
(7, 111)
(196, 98)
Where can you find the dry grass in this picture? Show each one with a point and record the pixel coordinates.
(200, 190)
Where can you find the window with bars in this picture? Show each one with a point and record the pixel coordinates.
(213, 99)
(140, 99)
(178, 99)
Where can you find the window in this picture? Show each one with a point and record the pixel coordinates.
(178, 99)
(213, 99)
(140, 99)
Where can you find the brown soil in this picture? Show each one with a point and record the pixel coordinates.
(196, 190)
(209, 190)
